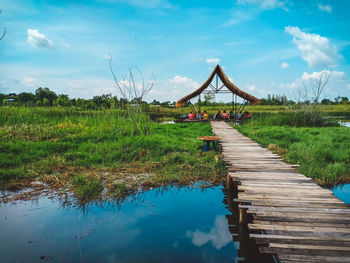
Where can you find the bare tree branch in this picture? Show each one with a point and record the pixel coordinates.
(129, 88)
(5, 29)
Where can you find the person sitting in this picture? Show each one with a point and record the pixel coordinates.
(217, 116)
(232, 115)
(191, 116)
(239, 115)
(199, 115)
(245, 115)
(224, 115)
(205, 115)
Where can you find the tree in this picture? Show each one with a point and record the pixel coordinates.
(46, 102)
(26, 98)
(42, 93)
(128, 87)
(326, 102)
(63, 100)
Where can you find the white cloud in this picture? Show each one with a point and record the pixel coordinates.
(315, 49)
(179, 81)
(238, 17)
(336, 84)
(316, 75)
(173, 89)
(64, 44)
(36, 39)
(30, 82)
(325, 8)
(348, 86)
(144, 4)
(252, 87)
(219, 235)
(284, 65)
(265, 4)
(212, 61)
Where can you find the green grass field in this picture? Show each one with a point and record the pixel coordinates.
(88, 151)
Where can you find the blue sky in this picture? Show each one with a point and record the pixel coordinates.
(265, 46)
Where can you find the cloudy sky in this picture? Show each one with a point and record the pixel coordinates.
(265, 46)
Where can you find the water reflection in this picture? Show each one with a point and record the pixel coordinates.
(176, 225)
(218, 235)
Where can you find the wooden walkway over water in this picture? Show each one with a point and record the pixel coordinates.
(288, 214)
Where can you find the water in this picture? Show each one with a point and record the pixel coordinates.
(345, 123)
(177, 225)
(342, 192)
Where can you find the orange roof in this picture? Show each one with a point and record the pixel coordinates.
(229, 85)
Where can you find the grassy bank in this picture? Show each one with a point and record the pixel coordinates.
(99, 154)
(322, 152)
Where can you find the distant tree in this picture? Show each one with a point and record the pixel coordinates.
(155, 102)
(62, 100)
(42, 93)
(46, 102)
(344, 100)
(2, 97)
(26, 98)
(337, 99)
(326, 102)
(165, 104)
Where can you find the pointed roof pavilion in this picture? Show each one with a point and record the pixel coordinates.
(226, 82)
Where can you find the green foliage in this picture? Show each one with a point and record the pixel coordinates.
(86, 188)
(57, 141)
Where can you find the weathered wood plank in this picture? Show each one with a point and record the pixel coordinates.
(314, 258)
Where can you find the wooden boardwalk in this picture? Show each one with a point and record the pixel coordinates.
(288, 214)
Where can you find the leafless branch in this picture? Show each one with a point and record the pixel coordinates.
(5, 29)
(128, 88)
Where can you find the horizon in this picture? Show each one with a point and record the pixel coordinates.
(264, 46)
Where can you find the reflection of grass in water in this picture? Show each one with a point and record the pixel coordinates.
(108, 147)
(322, 152)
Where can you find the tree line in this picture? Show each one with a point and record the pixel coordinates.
(46, 97)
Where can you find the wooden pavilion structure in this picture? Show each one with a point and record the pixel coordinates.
(230, 88)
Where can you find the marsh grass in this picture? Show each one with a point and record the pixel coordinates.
(68, 148)
(322, 152)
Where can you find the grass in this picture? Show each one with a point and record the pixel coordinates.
(84, 150)
(322, 152)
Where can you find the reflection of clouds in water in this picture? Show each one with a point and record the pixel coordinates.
(218, 235)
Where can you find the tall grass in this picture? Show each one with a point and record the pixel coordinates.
(61, 143)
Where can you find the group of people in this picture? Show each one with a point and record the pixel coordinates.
(219, 116)
(198, 116)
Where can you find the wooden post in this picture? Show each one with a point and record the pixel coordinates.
(242, 216)
(229, 183)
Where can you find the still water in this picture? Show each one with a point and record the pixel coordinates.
(173, 225)
(342, 192)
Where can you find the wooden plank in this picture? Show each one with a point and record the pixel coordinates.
(296, 210)
(314, 258)
(315, 229)
(311, 247)
(306, 224)
(300, 238)
(287, 202)
(306, 252)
